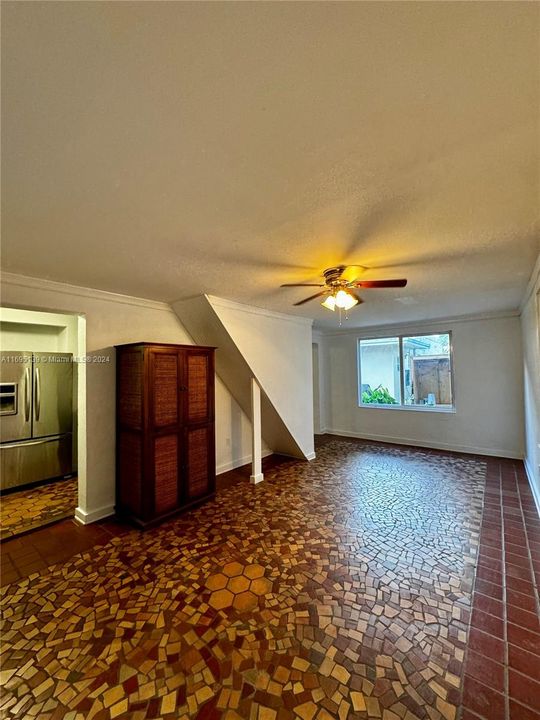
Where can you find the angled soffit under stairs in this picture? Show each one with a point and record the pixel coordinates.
(274, 349)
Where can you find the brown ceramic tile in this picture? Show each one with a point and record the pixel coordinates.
(524, 690)
(526, 619)
(488, 605)
(524, 602)
(485, 670)
(487, 623)
(523, 638)
(486, 645)
(520, 712)
(483, 700)
(524, 662)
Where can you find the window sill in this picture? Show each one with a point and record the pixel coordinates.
(414, 408)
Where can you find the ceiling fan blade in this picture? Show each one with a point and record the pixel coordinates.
(351, 276)
(311, 297)
(302, 285)
(380, 283)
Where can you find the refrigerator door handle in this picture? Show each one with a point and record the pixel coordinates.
(38, 393)
(29, 443)
(27, 394)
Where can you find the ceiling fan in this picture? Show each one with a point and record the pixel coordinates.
(340, 291)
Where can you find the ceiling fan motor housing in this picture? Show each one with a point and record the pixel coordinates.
(332, 275)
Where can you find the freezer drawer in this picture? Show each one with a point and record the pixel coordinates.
(30, 461)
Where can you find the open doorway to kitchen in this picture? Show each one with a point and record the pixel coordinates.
(42, 418)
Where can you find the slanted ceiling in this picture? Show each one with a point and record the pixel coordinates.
(170, 149)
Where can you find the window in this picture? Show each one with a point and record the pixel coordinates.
(412, 371)
(379, 371)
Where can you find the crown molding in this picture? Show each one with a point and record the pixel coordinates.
(252, 310)
(420, 324)
(34, 283)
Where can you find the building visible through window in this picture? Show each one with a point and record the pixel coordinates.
(414, 371)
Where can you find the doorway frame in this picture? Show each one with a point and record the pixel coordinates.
(75, 326)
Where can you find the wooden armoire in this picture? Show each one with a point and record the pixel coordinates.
(165, 447)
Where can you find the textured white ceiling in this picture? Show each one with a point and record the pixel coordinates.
(168, 149)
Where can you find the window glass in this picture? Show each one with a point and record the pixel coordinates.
(380, 382)
(427, 371)
(424, 381)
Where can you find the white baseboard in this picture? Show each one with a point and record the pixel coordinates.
(85, 518)
(256, 479)
(232, 464)
(534, 489)
(311, 456)
(470, 449)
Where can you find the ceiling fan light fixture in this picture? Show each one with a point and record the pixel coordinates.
(340, 292)
(329, 303)
(344, 300)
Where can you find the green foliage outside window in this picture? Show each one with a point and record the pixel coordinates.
(379, 396)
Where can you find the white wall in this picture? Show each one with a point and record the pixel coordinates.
(278, 349)
(530, 330)
(112, 320)
(488, 391)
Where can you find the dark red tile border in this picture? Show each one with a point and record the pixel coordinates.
(502, 663)
(520, 712)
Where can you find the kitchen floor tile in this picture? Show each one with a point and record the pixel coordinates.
(28, 509)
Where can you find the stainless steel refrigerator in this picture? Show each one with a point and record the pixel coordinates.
(36, 417)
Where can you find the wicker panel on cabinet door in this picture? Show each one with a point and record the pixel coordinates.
(130, 471)
(197, 387)
(165, 382)
(166, 473)
(130, 388)
(198, 480)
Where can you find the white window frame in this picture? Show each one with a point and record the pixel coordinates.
(401, 406)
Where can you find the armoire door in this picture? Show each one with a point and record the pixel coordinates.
(165, 366)
(166, 468)
(199, 461)
(165, 436)
(199, 376)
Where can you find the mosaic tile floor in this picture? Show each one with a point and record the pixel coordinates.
(28, 509)
(340, 588)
